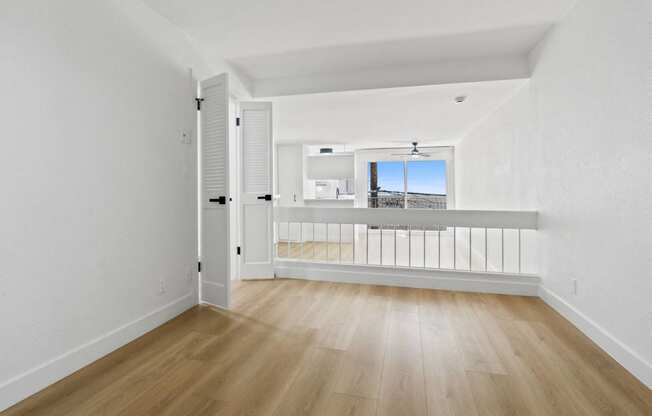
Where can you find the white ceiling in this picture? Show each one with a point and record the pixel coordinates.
(245, 28)
(281, 39)
(346, 53)
(388, 117)
(414, 51)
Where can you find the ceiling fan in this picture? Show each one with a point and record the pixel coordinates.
(414, 153)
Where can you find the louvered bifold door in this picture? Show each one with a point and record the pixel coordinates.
(215, 267)
(257, 191)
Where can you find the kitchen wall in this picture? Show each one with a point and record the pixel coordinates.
(575, 145)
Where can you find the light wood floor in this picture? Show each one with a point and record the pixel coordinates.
(309, 348)
(316, 250)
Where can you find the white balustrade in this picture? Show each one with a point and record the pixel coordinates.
(482, 241)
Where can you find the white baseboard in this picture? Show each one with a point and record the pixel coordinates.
(423, 279)
(213, 293)
(32, 381)
(620, 352)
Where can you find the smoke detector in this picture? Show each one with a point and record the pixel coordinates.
(460, 99)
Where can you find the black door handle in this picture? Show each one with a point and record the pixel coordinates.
(221, 200)
(265, 197)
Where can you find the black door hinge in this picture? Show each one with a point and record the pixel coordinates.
(199, 101)
(237, 121)
(199, 266)
(238, 250)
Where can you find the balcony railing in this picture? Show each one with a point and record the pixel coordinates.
(399, 200)
(482, 241)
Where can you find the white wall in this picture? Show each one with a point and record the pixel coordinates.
(495, 165)
(575, 145)
(98, 193)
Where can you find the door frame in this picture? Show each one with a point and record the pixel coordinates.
(234, 163)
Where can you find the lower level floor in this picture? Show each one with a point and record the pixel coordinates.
(291, 347)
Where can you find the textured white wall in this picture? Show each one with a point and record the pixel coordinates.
(487, 159)
(98, 194)
(575, 145)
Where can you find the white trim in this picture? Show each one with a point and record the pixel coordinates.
(525, 220)
(620, 352)
(218, 292)
(456, 280)
(234, 179)
(444, 72)
(32, 381)
(206, 282)
(212, 305)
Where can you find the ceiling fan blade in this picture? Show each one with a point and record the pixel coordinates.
(414, 153)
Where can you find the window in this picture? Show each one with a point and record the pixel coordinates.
(407, 184)
(384, 180)
(386, 185)
(426, 184)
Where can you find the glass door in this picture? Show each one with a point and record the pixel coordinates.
(407, 184)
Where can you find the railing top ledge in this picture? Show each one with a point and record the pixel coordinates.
(415, 217)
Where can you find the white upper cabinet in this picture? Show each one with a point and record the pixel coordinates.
(330, 166)
(290, 174)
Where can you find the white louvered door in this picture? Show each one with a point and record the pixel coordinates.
(256, 260)
(215, 259)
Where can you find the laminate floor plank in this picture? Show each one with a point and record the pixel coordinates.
(361, 367)
(347, 405)
(295, 347)
(311, 388)
(447, 385)
(119, 394)
(403, 383)
(522, 383)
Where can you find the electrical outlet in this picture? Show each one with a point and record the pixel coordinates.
(161, 289)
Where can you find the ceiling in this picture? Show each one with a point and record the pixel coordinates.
(246, 28)
(388, 117)
(328, 65)
(413, 51)
(282, 39)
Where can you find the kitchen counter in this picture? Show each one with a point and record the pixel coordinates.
(330, 202)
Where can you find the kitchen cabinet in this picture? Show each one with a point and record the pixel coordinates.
(290, 174)
(330, 166)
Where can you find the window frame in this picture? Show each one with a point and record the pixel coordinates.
(364, 156)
